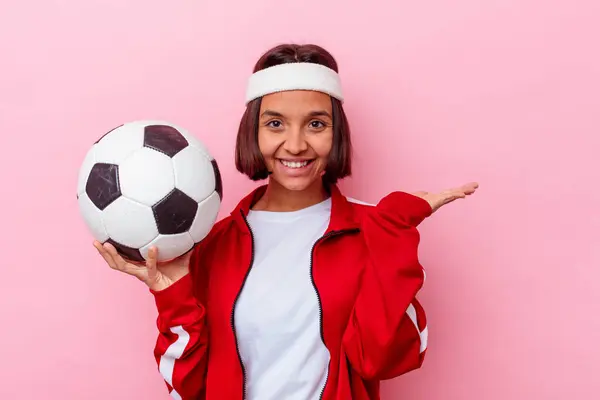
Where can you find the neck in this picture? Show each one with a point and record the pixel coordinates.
(278, 198)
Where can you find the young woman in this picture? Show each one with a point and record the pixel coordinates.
(301, 293)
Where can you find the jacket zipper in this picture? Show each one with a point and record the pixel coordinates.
(312, 279)
(237, 348)
(232, 319)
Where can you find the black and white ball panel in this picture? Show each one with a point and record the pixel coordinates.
(102, 186)
(119, 144)
(93, 217)
(146, 168)
(101, 137)
(170, 246)
(84, 171)
(219, 182)
(192, 141)
(175, 213)
(208, 207)
(127, 252)
(149, 183)
(165, 139)
(135, 234)
(187, 164)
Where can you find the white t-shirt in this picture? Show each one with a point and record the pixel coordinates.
(277, 314)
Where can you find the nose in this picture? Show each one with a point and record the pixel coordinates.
(295, 142)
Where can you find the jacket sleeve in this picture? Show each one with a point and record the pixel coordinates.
(181, 347)
(386, 334)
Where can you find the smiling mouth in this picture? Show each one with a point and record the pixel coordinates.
(295, 164)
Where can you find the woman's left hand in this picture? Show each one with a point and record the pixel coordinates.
(436, 200)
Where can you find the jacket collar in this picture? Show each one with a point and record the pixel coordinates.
(342, 215)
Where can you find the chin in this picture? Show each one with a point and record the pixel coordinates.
(296, 184)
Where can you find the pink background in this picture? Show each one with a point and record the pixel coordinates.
(439, 92)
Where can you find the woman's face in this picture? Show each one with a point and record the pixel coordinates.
(295, 135)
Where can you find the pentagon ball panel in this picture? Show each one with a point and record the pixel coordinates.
(102, 186)
(149, 183)
(175, 213)
(165, 139)
(127, 252)
(218, 182)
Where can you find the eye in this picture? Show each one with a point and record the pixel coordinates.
(316, 124)
(274, 124)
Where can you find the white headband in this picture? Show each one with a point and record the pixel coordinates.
(294, 76)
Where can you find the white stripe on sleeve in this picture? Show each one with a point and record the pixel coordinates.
(412, 314)
(174, 352)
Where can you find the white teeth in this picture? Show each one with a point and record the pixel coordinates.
(294, 164)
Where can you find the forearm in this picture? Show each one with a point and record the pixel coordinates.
(386, 334)
(181, 346)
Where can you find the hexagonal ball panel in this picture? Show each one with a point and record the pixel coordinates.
(192, 140)
(130, 223)
(92, 217)
(164, 138)
(170, 246)
(147, 176)
(194, 173)
(205, 218)
(102, 137)
(119, 143)
(175, 213)
(102, 185)
(84, 170)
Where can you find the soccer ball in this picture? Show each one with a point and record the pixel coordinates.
(149, 183)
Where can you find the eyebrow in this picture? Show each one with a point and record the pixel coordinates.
(269, 113)
(319, 113)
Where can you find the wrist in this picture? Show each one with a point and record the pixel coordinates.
(172, 294)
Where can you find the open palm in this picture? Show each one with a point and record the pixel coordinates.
(156, 276)
(436, 200)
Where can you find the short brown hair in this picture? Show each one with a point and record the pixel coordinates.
(248, 158)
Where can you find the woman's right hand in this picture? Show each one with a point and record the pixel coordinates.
(156, 276)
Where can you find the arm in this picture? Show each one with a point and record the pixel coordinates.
(386, 335)
(181, 347)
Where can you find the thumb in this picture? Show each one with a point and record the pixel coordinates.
(151, 263)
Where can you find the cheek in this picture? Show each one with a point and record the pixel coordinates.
(322, 147)
(266, 145)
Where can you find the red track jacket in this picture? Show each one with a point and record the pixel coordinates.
(365, 271)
